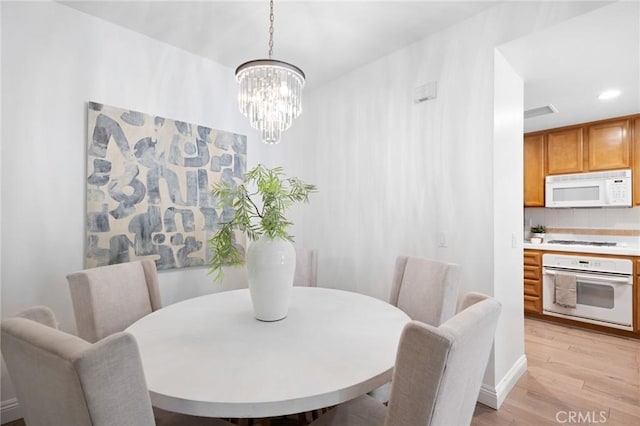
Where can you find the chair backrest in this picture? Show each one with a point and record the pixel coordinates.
(41, 314)
(425, 289)
(439, 371)
(61, 379)
(306, 274)
(108, 299)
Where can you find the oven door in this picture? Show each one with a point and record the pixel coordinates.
(601, 299)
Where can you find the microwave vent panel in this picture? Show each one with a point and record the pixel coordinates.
(614, 174)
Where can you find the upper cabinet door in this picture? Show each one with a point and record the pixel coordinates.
(565, 151)
(609, 146)
(534, 171)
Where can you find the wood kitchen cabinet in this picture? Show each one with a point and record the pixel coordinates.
(534, 169)
(635, 174)
(603, 145)
(533, 281)
(565, 151)
(590, 147)
(609, 145)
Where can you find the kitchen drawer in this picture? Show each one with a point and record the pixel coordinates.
(532, 287)
(532, 258)
(532, 273)
(533, 304)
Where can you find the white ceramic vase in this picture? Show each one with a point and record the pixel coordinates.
(271, 264)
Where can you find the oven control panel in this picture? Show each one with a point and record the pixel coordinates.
(585, 263)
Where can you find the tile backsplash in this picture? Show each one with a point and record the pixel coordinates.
(621, 225)
(587, 218)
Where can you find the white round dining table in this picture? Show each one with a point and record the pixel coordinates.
(209, 356)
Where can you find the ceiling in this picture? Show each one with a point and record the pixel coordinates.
(566, 65)
(324, 38)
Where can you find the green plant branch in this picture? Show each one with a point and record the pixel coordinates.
(277, 193)
(256, 209)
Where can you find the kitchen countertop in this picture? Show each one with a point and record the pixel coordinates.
(620, 250)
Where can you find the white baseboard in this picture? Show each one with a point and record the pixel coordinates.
(494, 397)
(9, 410)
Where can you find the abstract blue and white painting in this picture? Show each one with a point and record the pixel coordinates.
(149, 187)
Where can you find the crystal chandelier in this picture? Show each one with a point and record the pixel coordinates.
(270, 92)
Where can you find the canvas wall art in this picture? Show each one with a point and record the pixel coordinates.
(149, 187)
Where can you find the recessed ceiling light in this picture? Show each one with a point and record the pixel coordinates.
(609, 94)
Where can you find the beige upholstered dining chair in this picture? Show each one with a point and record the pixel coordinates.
(110, 298)
(438, 372)
(63, 380)
(306, 274)
(425, 289)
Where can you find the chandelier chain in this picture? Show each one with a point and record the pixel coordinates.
(271, 18)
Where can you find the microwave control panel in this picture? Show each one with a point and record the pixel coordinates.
(619, 191)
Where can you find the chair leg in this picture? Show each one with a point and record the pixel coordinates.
(303, 419)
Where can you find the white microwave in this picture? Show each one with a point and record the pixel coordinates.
(596, 189)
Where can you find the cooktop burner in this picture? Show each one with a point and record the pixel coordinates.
(583, 243)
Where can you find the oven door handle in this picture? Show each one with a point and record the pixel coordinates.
(609, 279)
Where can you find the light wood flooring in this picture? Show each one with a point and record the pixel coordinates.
(593, 377)
(574, 377)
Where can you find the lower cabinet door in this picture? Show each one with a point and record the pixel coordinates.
(533, 304)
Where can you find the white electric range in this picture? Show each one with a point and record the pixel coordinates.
(603, 285)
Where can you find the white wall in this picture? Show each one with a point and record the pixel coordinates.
(509, 358)
(1, 103)
(396, 177)
(2, 365)
(54, 60)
